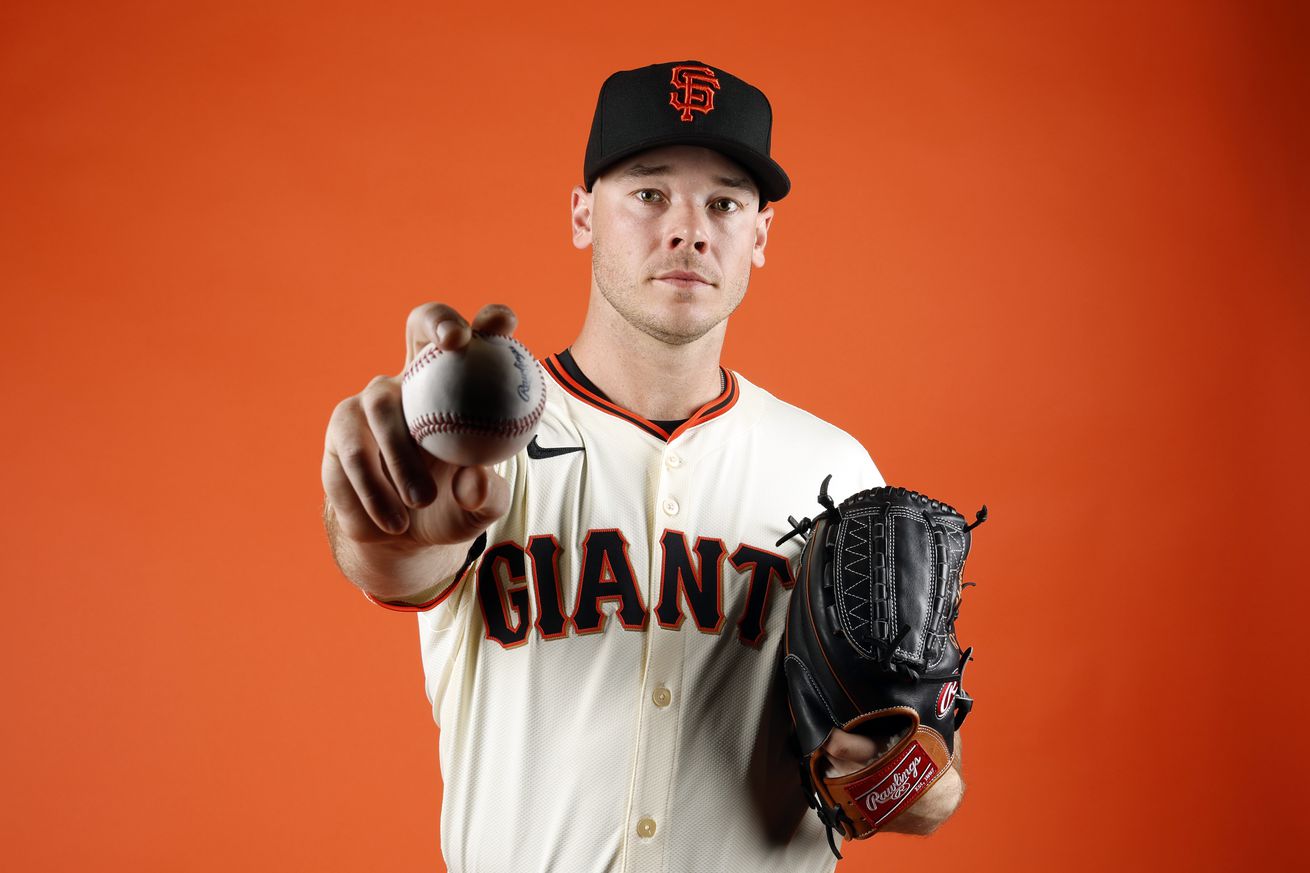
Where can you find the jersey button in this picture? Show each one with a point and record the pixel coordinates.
(673, 460)
(646, 828)
(670, 506)
(662, 696)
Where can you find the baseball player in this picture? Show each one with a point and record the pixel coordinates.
(600, 615)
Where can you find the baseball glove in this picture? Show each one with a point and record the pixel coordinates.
(870, 648)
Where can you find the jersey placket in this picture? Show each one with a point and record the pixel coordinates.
(649, 820)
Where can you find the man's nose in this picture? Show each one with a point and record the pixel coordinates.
(687, 228)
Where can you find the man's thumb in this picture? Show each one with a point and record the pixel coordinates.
(483, 495)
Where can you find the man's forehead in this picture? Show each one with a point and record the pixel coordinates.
(683, 160)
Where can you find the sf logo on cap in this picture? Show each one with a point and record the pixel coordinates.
(696, 87)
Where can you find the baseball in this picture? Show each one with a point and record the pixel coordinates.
(477, 405)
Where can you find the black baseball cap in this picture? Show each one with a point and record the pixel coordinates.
(684, 103)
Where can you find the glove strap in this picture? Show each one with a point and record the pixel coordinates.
(834, 818)
(862, 803)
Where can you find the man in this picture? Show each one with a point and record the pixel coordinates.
(600, 615)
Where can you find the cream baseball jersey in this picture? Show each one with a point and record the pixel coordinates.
(604, 671)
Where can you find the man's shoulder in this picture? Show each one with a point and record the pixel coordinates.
(779, 412)
(811, 446)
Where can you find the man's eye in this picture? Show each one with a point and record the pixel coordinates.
(724, 204)
(649, 195)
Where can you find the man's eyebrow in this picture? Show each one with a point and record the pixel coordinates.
(742, 182)
(641, 171)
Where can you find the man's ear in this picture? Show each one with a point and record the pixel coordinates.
(580, 207)
(762, 222)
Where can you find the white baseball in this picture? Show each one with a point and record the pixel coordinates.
(477, 405)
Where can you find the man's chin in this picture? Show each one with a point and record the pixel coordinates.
(680, 331)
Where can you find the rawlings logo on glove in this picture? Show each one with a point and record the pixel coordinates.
(870, 648)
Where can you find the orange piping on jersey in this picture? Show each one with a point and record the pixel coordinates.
(567, 382)
(713, 409)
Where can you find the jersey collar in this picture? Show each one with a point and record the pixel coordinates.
(570, 377)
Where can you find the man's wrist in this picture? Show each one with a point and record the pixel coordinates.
(389, 573)
(397, 570)
(933, 808)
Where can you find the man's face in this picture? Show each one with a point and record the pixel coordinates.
(673, 234)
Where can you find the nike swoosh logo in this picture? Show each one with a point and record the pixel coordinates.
(536, 450)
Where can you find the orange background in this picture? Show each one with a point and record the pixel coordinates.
(1047, 256)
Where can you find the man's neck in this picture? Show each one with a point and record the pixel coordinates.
(658, 381)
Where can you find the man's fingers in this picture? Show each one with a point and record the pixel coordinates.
(845, 746)
(351, 444)
(452, 335)
(434, 323)
(849, 753)
(469, 499)
(406, 466)
(383, 505)
(441, 325)
(496, 318)
(352, 518)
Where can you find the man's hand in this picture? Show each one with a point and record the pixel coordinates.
(387, 499)
(849, 753)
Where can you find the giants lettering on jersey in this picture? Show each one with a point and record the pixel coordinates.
(519, 587)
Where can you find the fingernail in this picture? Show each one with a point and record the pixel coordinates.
(445, 329)
(418, 496)
(396, 523)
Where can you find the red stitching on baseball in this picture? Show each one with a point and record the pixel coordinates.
(433, 353)
(445, 422)
(449, 422)
(419, 363)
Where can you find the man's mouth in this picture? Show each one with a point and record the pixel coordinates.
(683, 278)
